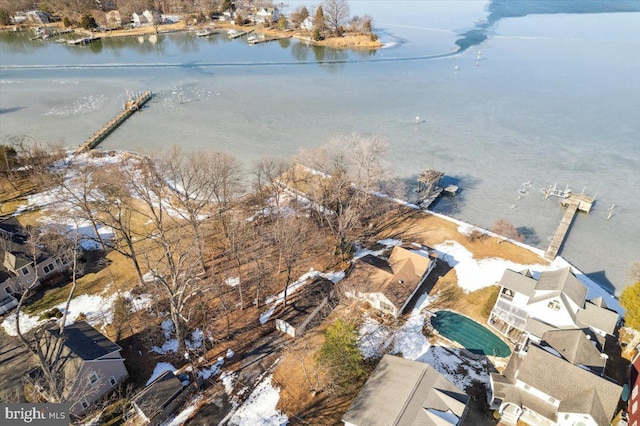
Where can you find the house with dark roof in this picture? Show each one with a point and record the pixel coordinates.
(558, 382)
(389, 285)
(18, 270)
(92, 364)
(306, 307)
(159, 399)
(401, 392)
(526, 308)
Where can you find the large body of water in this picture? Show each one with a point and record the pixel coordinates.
(554, 97)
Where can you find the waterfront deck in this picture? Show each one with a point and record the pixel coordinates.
(130, 107)
(573, 202)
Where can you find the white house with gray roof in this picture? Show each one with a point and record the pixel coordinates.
(401, 392)
(526, 308)
(558, 382)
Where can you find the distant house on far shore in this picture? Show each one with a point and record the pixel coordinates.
(113, 19)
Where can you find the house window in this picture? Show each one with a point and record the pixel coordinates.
(635, 423)
(634, 407)
(554, 304)
(25, 270)
(552, 400)
(634, 394)
(93, 378)
(527, 387)
(84, 403)
(58, 262)
(112, 380)
(47, 268)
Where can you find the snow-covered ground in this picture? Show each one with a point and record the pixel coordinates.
(260, 407)
(98, 310)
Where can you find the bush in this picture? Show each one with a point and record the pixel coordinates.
(316, 35)
(476, 235)
(66, 22)
(340, 355)
(5, 17)
(53, 313)
(630, 301)
(374, 37)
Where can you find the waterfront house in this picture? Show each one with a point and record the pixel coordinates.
(307, 24)
(526, 308)
(92, 364)
(37, 17)
(265, 15)
(390, 285)
(405, 392)
(558, 382)
(306, 307)
(138, 19)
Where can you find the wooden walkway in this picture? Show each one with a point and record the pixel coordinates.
(130, 107)
(562, 230)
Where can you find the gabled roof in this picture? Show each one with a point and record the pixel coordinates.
(542, 370)
(577, 347)
(158, 394)
(560, 282)
(86, 342)
(404, 392)
(598, 317)
(396, 278)
(518, 282)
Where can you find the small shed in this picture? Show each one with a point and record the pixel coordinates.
(307, 305)
(157, 401)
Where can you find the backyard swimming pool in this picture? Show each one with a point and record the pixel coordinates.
(473, 336)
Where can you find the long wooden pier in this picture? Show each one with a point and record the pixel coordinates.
(573, 202)
(131, 106)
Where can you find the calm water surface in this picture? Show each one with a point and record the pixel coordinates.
(555, 97)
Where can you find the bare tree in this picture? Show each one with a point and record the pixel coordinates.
(197, 179)
(271, 178)
(115, 209)
(336, 13)
(52, 381)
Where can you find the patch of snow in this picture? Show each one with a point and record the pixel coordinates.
(170, 345)
(149, 277)
(230, 353)
(97, 309)
(373, 339)
(227, 378)
(160, 368)
(409, 340)
(460, 369)
(232, 281)
(264, 317)
(205, 373)
(260, 407)
(334, 277)
(186, 413)
(197, 337)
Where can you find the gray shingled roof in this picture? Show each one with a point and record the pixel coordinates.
(542, 370)
(404, 392)
(86, 342)
(518, 282)
(158, 394)
(577, 347)
(562, 281)
(598, 317)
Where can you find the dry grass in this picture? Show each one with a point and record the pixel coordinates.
(432, 230)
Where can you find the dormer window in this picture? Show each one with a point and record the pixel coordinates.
(25, 270)
(554, 304)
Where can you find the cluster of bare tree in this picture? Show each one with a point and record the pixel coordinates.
(188, 222)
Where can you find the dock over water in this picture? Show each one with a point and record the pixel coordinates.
(131, 106)
(573, 202)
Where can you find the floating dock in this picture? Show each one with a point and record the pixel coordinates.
(83, 40)
(261, 38)
(131, 106)
(573, 202)
(233, 34)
